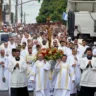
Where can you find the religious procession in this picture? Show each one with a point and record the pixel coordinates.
(47, 63)
(47, 47)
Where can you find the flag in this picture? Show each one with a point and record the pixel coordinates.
(65, 16)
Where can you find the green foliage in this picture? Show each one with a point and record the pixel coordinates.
(38, 1)
(52, 8)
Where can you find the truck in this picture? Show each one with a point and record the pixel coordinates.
(83, 23)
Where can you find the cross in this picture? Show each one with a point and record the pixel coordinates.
(49, 32)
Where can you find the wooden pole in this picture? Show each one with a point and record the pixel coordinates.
(49, 32)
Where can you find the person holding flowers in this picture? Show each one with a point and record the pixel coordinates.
(40, 76)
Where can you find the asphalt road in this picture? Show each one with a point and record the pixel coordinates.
(6, 94)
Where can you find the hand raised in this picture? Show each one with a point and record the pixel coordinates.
(2, 63)
(17, 65)
(74, 65)
(44, 61)
(89, 63)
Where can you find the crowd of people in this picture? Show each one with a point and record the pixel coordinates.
(22, 69)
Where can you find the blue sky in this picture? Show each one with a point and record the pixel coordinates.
(31, 9)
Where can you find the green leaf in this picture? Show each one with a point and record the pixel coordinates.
(52, 8)
(38, 1)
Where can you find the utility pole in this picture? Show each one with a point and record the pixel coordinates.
(21, 12)
(27, 1)
(24, 18)
(1, 13)
(5, 13)
(16, 12)
(10, 11)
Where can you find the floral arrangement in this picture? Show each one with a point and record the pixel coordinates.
(51, 53)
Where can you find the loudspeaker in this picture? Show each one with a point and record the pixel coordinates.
(71, 24)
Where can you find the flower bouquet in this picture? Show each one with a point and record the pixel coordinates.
(51, 55)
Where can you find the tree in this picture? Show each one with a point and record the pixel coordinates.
(52, 8)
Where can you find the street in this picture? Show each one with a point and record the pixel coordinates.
(6, 94)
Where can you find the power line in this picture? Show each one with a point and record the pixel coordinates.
(27, 2)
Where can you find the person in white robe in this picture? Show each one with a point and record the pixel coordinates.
(24, 51)
(6, 48)
(88, 77)
(55, 44)
(83, 48)
(63, 47)
(78, 47)
(65, 73)
(68, 50)
(44, 44)
(30, 60)
(11, 43)
(19, 79)
(40, 76)
(40, 39)
(25, 37)
(94, 51)
(36, 47)
(74, 61)
(55, 39)
(3, 71)
(10, 58)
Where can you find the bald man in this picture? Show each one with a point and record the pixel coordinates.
(40, 76)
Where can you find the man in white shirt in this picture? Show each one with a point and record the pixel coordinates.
(88, 77)
(19, 80)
